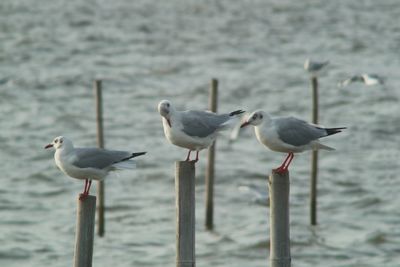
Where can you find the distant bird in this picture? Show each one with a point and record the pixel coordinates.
(367, 79)
(313, 67)
(89, 163)
(193, 129)
(288, 135)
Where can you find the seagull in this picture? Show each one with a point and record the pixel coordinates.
(288, 135)
(367, 79)
(193, 129)
(313, 67)
(89, 163)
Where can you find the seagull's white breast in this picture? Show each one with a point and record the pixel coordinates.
(64, 162)
(176, 136)
(269, 137)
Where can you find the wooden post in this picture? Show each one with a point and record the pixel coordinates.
(213, 96)
(314, 158)
(85, 232)
(279, 220)
(185, 213)
(100, 143)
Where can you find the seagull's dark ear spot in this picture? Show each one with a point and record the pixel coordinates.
(167, 105)
(261, 116)
(61, 141)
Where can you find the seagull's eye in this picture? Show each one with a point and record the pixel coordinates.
(261, 116)
(167, 105)
(56, 141)
(255, 116)
(61, 141)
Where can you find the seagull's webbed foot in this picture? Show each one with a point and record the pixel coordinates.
(280, 170)
(85, 192)
(285, 165)
(83, 196)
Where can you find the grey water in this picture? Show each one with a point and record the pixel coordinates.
(146, 51)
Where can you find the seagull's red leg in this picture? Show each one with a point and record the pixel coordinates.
(87, 191)
(188, 155)
(281, 169)
(84, 194)
(86, 184)
(291, 156)
(197, 156)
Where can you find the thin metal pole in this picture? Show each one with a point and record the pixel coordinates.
(279, 187)
(213, 97)
(85, 232)
(314, 158)
(185, 213)
(100, 143)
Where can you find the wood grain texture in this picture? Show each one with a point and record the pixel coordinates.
(185, 213)
(210, 171)
(279, 187)
(85, 220)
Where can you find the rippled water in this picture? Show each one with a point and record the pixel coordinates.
(146, 51)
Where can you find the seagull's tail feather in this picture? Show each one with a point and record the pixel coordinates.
(128, 163)
(318, 145)
(330, 131)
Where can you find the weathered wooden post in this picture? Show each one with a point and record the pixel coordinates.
(213, 96)
(100, 143)
(185, 213)
(85, 221)
(279, 220)
(314, 157)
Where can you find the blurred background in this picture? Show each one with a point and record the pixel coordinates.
(146, 51)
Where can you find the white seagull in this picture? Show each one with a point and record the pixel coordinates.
(367, 79)
(89, 163)
(288, 135)
(193, 129)
(313, 67)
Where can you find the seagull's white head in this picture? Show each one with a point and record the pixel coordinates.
(255, 118)
(165, 108)
(60, 142)
(307, 64)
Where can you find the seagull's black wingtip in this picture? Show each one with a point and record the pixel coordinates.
(331, 131)
(236, 112)
(138, 154)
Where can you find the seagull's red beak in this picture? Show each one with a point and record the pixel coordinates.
(48, 146)
(244, 124)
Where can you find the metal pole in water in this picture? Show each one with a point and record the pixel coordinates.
(314, 158)
(185, 213)
(100, 143)
(213, 96)
(85, 232)
(279, 219)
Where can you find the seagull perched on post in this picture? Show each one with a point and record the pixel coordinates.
(193, 129)
(89, 163)
(288, 135)
(313, 67)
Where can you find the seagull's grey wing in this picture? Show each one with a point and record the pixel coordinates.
(377, 77)
(97, 157)
(316, 66)
(202, 123)
(297, 132)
